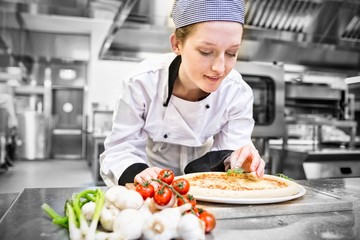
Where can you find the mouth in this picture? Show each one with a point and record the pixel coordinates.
(213, 79)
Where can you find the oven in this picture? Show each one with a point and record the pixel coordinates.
(267, 83)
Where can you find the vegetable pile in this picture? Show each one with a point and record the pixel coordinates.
(164, 212)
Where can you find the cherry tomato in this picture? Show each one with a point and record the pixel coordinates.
(166, 175)
(163, 195)
(145, 189)
(181, 185)
(196, 211)
(188, 198)
(209, 220)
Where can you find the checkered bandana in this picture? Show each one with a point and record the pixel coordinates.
(186, 12)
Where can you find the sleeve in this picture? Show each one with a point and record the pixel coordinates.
(238, 128)
(212, 161)
(125, 154)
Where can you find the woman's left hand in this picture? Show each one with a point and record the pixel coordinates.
(248, 158)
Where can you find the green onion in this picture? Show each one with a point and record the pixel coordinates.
(74, 231)
(56, 218)
(284, 176)
(235, 171)
(99, 201)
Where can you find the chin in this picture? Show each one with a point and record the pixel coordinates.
(210, 89)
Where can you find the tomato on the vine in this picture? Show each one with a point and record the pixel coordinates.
(167, 176)
(145, 189)
(196, 211)
(188, 198)
(209, 220)
(163, 195)
(181, 185)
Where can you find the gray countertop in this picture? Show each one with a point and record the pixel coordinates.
(330, 209)
(340, 223)
(6, 199)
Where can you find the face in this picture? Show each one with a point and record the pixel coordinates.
(208, 54)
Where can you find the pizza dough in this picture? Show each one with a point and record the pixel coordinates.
(245, 185)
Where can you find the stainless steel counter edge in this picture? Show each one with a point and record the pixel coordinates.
(336, 214)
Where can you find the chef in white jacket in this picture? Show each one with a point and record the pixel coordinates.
(189, 110)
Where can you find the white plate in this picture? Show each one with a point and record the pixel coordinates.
(301, 193)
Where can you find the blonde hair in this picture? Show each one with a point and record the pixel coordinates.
(182, 32)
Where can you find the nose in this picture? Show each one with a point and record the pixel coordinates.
(218, 65)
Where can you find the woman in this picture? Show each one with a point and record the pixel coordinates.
(187, 111)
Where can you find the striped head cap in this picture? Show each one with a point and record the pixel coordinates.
(186, 12)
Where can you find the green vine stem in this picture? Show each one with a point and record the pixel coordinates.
(173, 190)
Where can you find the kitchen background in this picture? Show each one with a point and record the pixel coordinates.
(62, 62)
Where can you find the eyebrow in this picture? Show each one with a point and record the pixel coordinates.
(211, 44)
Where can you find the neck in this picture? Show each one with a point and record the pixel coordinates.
(187, 93)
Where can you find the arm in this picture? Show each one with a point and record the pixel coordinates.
(236, 134)
(124, 154)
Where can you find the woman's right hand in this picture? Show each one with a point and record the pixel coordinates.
(147, 175)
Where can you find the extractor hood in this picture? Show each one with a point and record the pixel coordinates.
(310, 32)
(324, 33)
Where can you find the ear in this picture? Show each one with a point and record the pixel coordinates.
(175, 44)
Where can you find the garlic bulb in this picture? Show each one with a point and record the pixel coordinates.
(128, 199)
(107, 218)
(113, 193)
(128, 224)
(190, 227)
(162, 225)
(88, 210)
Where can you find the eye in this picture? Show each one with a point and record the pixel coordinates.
(231, 54)
(204, 53)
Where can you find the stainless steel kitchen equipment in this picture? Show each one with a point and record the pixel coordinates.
(306, 98)
(32, 135)
(319, 141)
(354, 88)
(3, 129)
(33, 104)
(312, 32)
(267, 83)
(332, 164)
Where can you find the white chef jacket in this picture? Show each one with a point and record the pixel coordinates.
(145, 131)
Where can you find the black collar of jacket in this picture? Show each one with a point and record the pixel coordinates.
(173, 73)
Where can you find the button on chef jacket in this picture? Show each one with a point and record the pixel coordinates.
(152, 127)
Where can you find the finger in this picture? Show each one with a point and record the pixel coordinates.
(138, 179)
(157, 170)
(256, 159)
(243, 156)
(152, 175)
(233, 158)
(147, 178)
(261, 168)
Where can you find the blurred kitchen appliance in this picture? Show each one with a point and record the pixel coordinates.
(3, 129)
(33, 104)
(305, 98)
(332, 164)
(267, 83)
(32, 135)
(320, 135)
(354, 88)
(318, 105)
